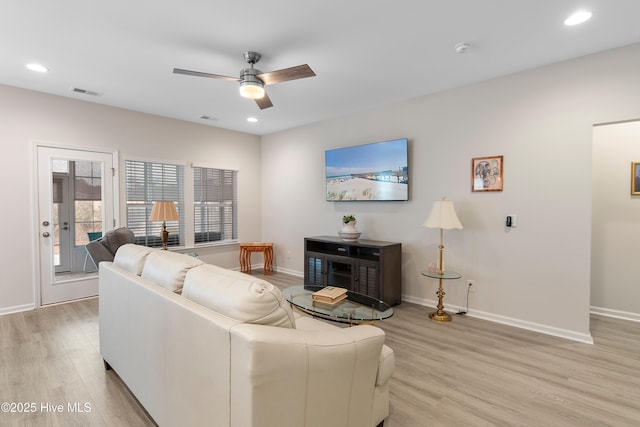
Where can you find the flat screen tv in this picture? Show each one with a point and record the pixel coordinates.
(373, 172)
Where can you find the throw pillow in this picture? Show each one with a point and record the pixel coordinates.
(238, 295)
(168, 269)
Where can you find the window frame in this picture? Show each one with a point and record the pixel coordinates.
(95, 225)
(153, 229)
(187, 213)
(208, 200)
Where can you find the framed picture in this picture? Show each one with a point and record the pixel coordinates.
(486, 173)
(635, 177)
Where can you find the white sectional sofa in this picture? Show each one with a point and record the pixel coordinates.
(199, 345)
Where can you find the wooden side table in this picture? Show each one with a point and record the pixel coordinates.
(246, 249)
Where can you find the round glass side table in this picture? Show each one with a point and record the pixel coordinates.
(440, 315)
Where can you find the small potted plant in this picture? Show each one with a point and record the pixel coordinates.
(349, 232)
(346, 219)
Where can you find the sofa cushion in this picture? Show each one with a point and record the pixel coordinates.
(237, 295)
(132, 257)
(168, 269)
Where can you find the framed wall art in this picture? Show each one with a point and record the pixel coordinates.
(635, 177)
(486, 173)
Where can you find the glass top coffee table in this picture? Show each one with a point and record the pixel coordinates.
(355, 309)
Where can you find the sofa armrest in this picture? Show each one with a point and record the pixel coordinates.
(293, 377)
(386, 366)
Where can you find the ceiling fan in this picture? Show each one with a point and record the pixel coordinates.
(252, 80)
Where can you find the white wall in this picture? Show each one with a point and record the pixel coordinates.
(535, 276)
(27, 116)
(615, 271)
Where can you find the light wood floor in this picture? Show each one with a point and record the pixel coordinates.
(468, 372)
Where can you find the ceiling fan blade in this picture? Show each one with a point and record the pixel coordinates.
(264, 102)
(201, 74)
(286, 74)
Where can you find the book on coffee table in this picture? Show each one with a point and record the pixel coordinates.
(329, 294)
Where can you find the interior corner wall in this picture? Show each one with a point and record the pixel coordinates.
(535, 276)
(615, 288)
(28, 116)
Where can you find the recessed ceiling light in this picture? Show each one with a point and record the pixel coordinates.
(37, 67)
(578, 17)
(252, 119)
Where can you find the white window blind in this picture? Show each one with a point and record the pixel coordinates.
(215, 204)
(147, 182)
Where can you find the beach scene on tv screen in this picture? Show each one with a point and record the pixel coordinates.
(376, 171)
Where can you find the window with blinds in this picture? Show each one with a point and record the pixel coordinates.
(147, 182)
(215, 205)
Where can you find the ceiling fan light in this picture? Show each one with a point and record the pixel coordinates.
(578, 18)
(251, 90)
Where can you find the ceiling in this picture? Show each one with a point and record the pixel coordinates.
(365, 53)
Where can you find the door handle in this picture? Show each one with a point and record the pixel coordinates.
(65, 228)
(45, 234)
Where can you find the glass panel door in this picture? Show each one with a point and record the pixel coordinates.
(339, 273)
(60, 210)
(75, 202)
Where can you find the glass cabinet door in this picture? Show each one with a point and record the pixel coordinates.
(339, 273)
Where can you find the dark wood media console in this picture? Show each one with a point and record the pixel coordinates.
(368, 267)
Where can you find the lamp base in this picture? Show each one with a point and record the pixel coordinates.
(165, 238)
(440, 316)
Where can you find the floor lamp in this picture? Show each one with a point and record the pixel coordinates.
(164, 211)
(442, 216)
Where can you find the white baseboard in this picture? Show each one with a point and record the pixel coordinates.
(287, 271)
(17, 309)
(450, 308)
(518, 323)
(536, 327)
(510, 321)
(618, 314)
(281, 270)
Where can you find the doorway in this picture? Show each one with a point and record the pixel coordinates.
(615, 229)
(75, 205)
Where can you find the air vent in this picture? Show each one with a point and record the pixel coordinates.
(213, 119)
(85, 91)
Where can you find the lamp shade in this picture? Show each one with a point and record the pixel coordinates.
(163, 211)
(251, 89)
(443, 215)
